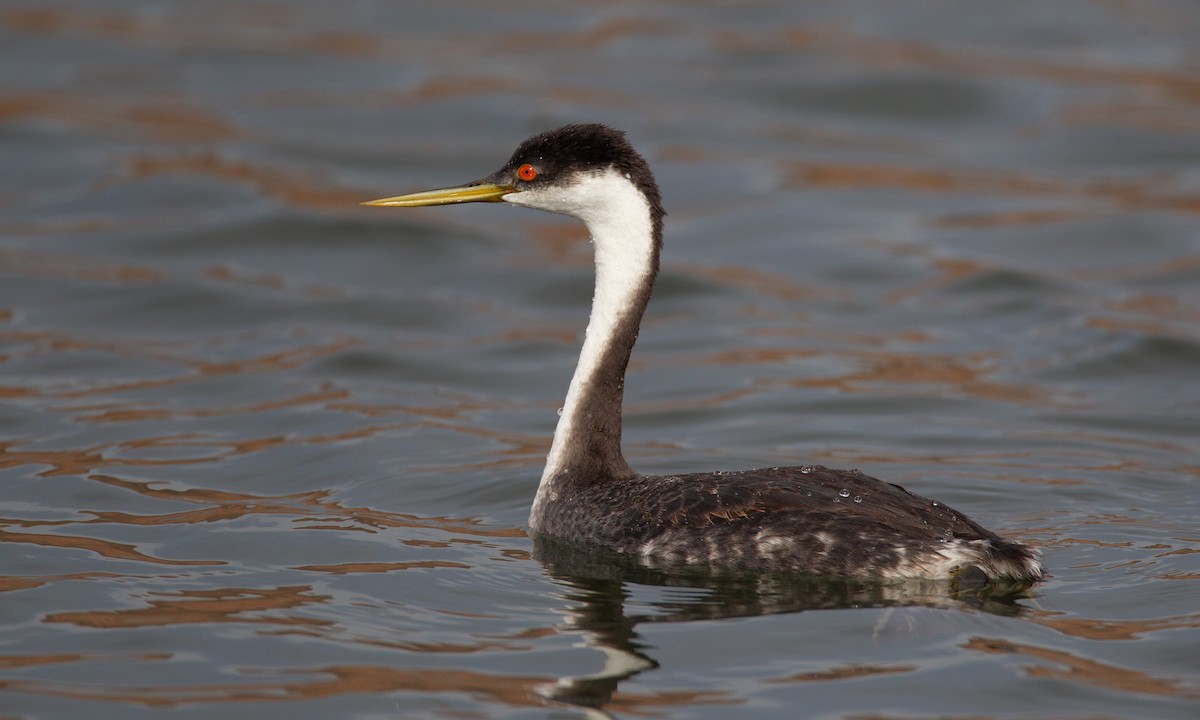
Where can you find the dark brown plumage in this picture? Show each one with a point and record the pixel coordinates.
(811, 518)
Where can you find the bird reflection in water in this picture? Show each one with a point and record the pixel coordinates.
(598, 583)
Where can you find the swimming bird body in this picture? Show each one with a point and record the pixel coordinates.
(808, 519)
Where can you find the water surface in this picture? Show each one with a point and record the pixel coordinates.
(268, 452)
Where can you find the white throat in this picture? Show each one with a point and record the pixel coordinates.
(619, 219)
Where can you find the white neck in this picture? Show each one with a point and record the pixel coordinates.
(620, 222)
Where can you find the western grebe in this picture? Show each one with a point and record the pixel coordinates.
(808, 519)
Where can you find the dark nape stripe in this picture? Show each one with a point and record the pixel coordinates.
(593, 451)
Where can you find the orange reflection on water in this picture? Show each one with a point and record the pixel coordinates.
(171, 120)
(25, 661)
(381, 567)
(1152, 315)
(50, 343)
(75, 462)
(323, 396)
(845, 672)
(8, 583)
(1118, 630)
(308, 506)
(947, 271)
(1009, 218)
(511, 690)
(1126, 194)
(311, 510)
(285, 184)
(255, 27)
(868, 370)
(35, 263)
(274, 281)
(912, 178)
(896, 54)
(966, 375)
(241, 605)
(758, 280)
(105, 548)
(1073, 668)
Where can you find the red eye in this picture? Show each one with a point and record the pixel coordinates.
(527, 172)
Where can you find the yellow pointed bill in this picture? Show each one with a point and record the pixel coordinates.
(485, 192)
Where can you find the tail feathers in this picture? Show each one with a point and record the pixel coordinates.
(1005, 559)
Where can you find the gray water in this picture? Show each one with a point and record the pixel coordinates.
(267, 453)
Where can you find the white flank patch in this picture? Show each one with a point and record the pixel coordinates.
(949, 557)
(957, 554)
(770, 544)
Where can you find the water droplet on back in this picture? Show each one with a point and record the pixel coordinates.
(858, 498)
(844, 492)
